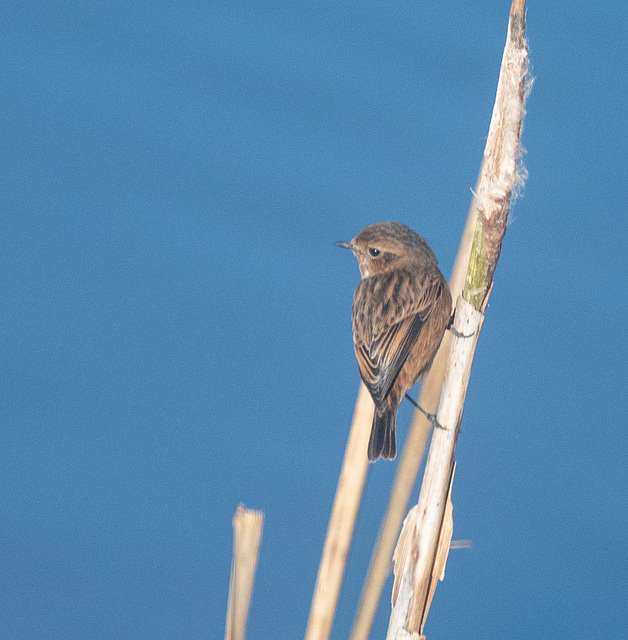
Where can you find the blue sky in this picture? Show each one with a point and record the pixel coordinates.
(177, 321)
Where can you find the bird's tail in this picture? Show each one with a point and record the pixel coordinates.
(382, 442)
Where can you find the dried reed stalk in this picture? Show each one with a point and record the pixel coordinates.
(341, 521)
(421, 553)
(247, 532)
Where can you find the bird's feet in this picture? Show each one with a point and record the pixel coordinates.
(455, 332)
(430, 416)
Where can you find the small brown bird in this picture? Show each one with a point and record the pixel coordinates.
(401, 309)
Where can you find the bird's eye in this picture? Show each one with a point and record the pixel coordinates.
(374, 252)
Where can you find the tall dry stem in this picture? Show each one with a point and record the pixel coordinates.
(421, 553)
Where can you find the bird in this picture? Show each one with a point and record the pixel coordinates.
(401, 309)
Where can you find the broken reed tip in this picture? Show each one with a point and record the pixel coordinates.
(517, 7)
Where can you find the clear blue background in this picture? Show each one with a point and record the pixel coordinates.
(176, 319)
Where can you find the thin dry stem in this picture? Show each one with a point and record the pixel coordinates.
(499, 175)
(342, 521)
(247, 533)
(425, 537)
(416, 555)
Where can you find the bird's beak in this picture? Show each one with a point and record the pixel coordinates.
(344, 245)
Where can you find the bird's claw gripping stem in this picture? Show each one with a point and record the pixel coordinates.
(455, 332)
(430, 416)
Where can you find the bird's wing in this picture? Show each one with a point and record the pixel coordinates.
(382, 350)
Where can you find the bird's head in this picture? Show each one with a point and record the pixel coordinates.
(385, 246)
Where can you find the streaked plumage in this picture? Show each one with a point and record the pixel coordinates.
(401, 309)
